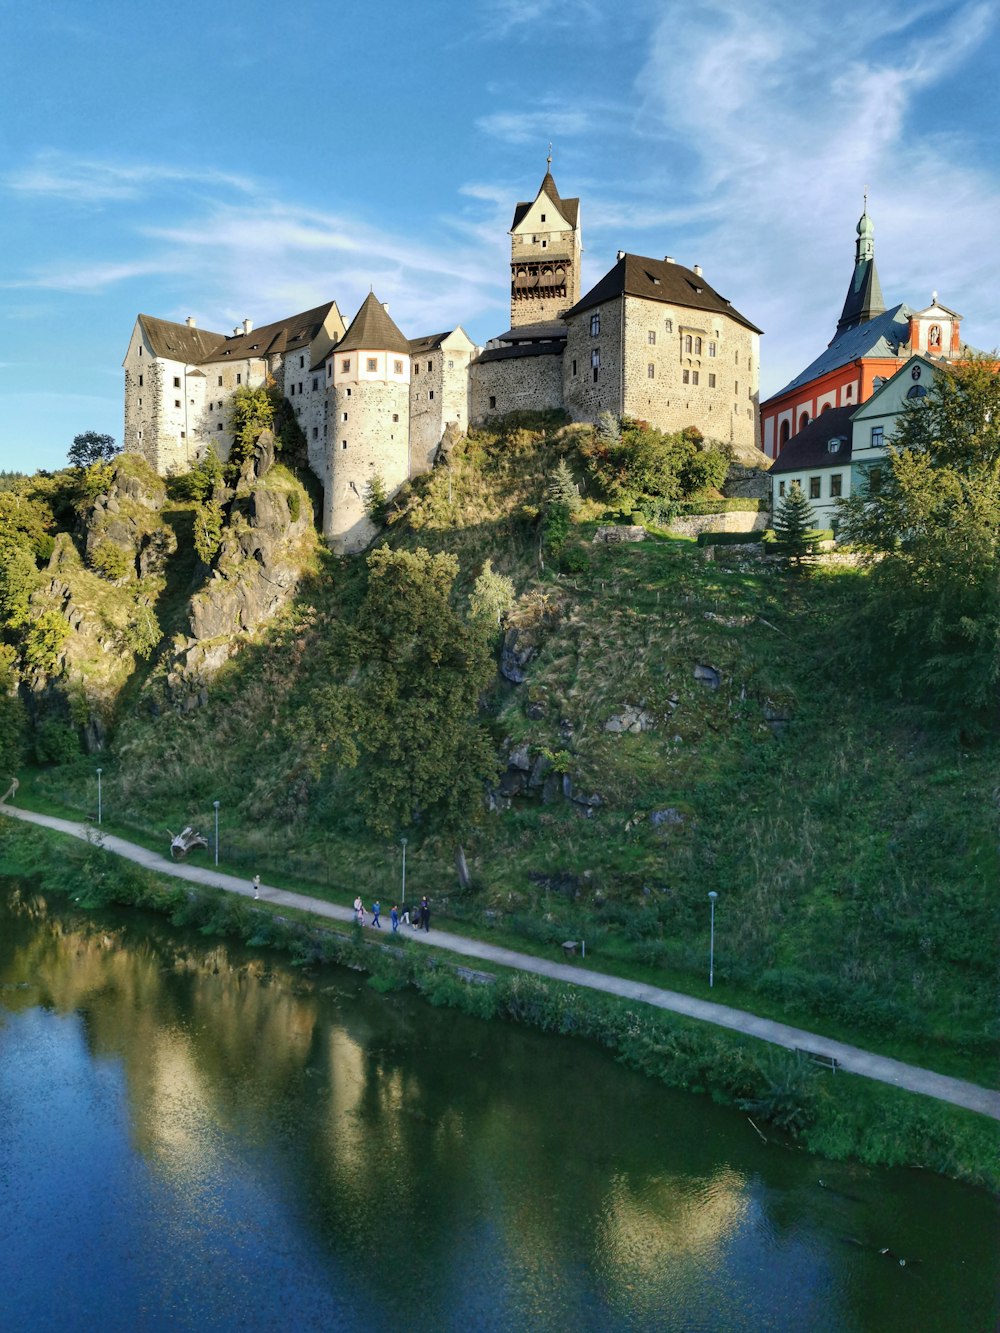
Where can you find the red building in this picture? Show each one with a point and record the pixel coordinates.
(870, 344)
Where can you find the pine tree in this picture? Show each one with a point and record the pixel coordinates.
(792, 522)
(562, 489)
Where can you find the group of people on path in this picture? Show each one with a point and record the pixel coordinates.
(419, 918)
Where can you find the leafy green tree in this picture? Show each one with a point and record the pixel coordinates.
(491, 597)
(644, 462)
(112, 562)
(421, 670)
(251, 410)
(794, 519)
(932, 530)
(208, 521)
(13, 719)
(201, 481)
(91, 447)
(44, 636)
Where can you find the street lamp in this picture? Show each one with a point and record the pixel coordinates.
(216, 805)
(711, 945)
(403, 900)
(99, 796)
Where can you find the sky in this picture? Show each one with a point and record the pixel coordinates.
(254, 160)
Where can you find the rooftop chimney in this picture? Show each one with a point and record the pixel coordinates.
(190, 321)
(620, 254)
(237, 331)
(385, 306)
(669, 259)
(697, 269)
(247, 325)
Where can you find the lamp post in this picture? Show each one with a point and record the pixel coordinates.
(99, 811)
(711, 942)
(216, 805)
(403, 899)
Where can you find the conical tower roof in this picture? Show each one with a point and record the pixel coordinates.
(372, 330)
(864, 296)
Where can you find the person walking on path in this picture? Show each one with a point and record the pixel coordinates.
(256, 887)
(359, 910)
(376, 914)
(425, 913)
(394, 918)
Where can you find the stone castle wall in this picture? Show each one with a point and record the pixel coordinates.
(369, 437)
(515, 384)
(587, 395)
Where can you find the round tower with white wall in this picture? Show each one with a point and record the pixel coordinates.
(369, 423)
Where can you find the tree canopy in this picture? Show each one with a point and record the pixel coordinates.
(91, 447)
(933, 532)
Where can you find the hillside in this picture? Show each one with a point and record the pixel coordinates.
(683, 725)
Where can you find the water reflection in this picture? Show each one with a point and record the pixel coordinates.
(241, 1145)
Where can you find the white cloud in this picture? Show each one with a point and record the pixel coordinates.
(59, 176)
(540, 127)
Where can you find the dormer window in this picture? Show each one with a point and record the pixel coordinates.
(833, 446)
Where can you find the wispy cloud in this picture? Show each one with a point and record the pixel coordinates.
(539, 126)
(84, 181)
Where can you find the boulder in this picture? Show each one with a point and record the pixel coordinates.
(620, 533)
(666, 818)
(514, 658)
(708, 676)
(630, 719)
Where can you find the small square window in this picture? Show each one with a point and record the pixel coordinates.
(395, 417)
(177, 382)
(543, 217)
(219, 426)
(397, 367)
(346, 363)
(651, 337)
(183, 434)
(343, 444)
(371, 363)
(177, 402)
(493, 402)
(650, 371)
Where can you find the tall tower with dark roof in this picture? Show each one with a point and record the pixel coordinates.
(864, 296)
(545, 250)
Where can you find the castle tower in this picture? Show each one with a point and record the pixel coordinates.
(545, 250)
(370, 422)
(864, 296)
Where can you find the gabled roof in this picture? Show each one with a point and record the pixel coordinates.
(285, 335)
(569, 208)
(431, 342)
(372, 330)
(179, 342)
(885, 336)
(658, 280)
(811, 447)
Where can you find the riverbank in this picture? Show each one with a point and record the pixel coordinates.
(835, 1115)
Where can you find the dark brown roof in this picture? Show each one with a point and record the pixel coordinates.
(429, 343)
(372, 329)
(179, 342)
(658, 280)
(810, 448)
(521, 349)
(546, 329)
(569, 208)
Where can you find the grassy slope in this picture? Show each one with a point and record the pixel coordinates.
(854, 854)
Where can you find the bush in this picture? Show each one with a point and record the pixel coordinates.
(112, 562)
(736, 505)
(56, 742)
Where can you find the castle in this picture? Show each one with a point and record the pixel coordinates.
(650, 340)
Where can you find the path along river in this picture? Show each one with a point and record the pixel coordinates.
(194, 1136)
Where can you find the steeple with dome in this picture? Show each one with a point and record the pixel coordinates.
(864, 296)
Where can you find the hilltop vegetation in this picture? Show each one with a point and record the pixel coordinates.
(683, 725)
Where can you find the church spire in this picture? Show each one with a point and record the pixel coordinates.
(864, 296)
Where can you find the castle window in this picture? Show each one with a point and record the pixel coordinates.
(347, 393)
(302, 363)
(140, 402)
(177, 382)
(650, 371)
(737, 358)
(711, 381)
(493, 402)
(430, 365)
(140, 381)
(688, 342)
(291, 390)
(686, 376)
(595, 362)
(595, 324)
(397, 367)
(574, 367)
(239, 378)
(697, 347)
(736, 388)
(668, 325)
(300, 386)
(371, 362)
(451, 365)
(140, 349)
(694, 377)
(431, 394)
(878, 437)
(814, 487)
(543, 217)
(395, 416)
(220, 381)
(315, 432)
(651, 337)
(343, 416)
(835, 485)
(315, 384)
(183, 434)
(219, 426)
(416, 367)
(711, 349)
(544, 244)
(874, 480)
(177, 402)
(345, 365)
(343, 444)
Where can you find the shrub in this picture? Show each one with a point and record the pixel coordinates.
(112, 562)
(729, 538)
(56, 742)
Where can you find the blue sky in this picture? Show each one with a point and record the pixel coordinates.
(252, 159)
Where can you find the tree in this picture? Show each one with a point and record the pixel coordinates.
(932, 533)
(251, 410)
(562, 489)
(421, 668)
(376, 499)
(491, 597)
(90, 447)
(793, 522)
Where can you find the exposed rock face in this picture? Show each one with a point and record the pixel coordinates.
(620, 533)
(514, 657)
(127, 516)
(631, 719)
(708, 676)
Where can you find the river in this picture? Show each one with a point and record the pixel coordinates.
(195, 1136)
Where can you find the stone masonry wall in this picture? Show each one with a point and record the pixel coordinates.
(373, 440)
(735, 520)
(586, 397)
(515, 384)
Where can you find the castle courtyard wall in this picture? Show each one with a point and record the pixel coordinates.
(515, 384)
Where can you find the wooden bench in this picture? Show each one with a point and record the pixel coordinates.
(570, 947)
(818, 1058)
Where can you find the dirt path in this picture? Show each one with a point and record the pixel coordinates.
(849, 1058)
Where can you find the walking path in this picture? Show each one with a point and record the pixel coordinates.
(850, 1058)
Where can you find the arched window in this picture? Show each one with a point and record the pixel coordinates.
(783, 434)
(824, 408)
(916, 391)
(803, 421)
(697, 346)
(934, 338)
(687, 342)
